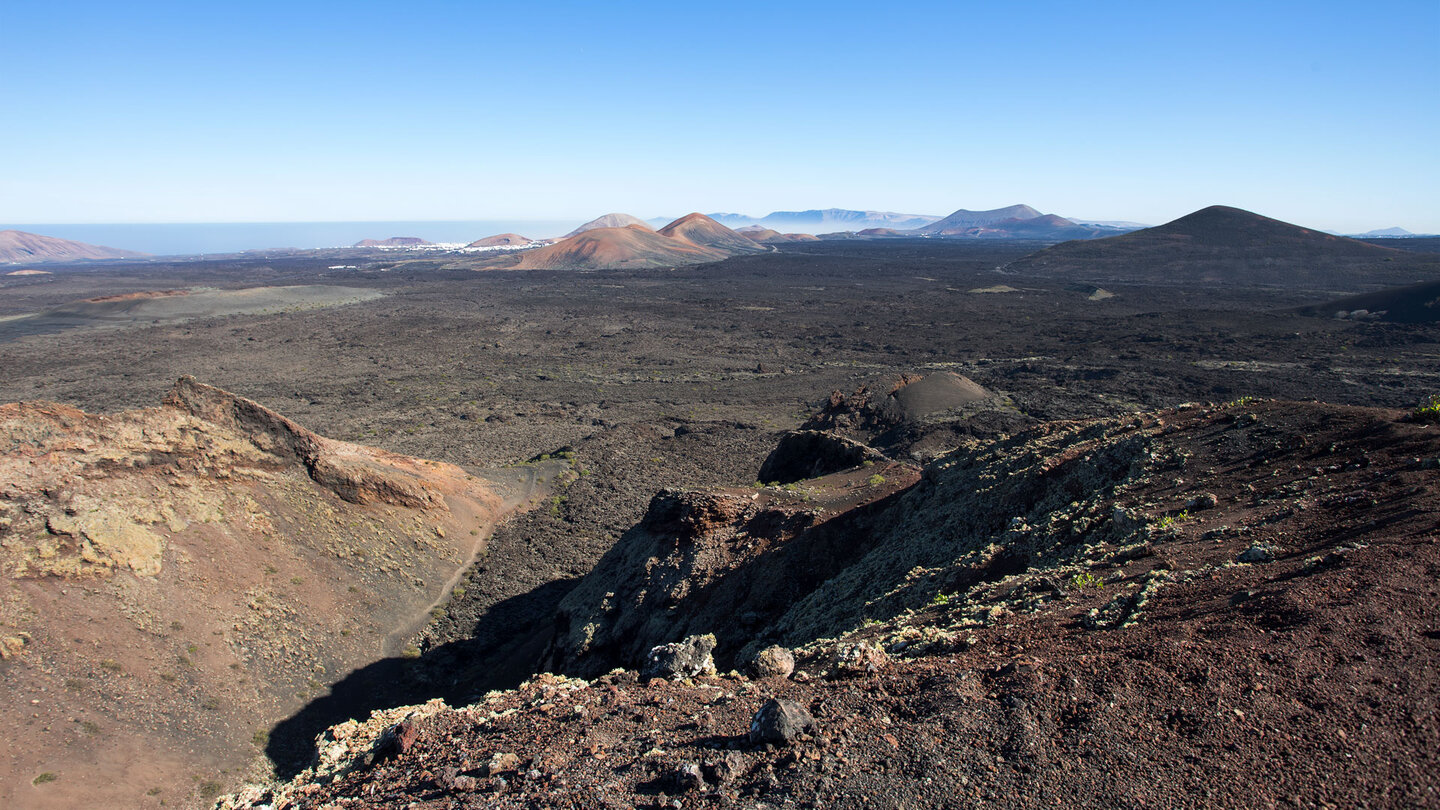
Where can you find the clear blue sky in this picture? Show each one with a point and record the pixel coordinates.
(1322, 113)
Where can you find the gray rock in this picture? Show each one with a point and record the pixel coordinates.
(772, 662)
(681, 659)
(1205, 500)
(688, 778)
(1259, 553)
(725, 768)
(780, 721)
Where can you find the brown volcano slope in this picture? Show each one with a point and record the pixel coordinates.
(175, 580)
(1218, 606)
(609, 221)
(629, 247)
(706, 232)
(501, 240)
(1220, 245)
(19, 246)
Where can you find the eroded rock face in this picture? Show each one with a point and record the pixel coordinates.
(803, 454)
(357, 474)
(735, 561)
(208, 565)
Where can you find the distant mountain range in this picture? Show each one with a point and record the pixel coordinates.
(1010, 222)
(820, 220)
(19, 246)
(1392, 232)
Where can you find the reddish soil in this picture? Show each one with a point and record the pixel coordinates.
(1305, 681)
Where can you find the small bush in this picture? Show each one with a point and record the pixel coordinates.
(1084, 580)
(1428, 410)
(43, 778)
(1170, 520)
(875, 480)
(410, 651)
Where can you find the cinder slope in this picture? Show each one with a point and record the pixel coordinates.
(629, 247)
(177, 579)
(1222, 245)
(706, 232)
(1417, 303)
(19, 246)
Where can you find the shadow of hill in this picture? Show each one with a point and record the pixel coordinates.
(508, 640)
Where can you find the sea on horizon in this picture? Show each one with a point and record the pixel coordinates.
(192, 238)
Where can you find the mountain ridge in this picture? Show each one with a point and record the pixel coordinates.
(22, 246)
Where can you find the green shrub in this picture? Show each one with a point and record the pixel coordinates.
(875, 480)
(43, 778)
(1428, 410)
(1084, 580)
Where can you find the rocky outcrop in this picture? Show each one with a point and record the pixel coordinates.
(736, 563)
(803, 454)
(357, 474)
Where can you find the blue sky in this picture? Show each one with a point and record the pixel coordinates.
(1327, 114)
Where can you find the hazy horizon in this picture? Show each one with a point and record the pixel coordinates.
(1311, 113)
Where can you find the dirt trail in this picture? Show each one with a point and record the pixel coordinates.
(519, 496)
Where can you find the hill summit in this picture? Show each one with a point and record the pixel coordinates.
(609, 221)
(703, 230)
(1221, 244)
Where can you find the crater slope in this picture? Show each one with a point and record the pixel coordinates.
(174, 580)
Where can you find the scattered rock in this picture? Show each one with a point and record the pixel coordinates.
(860, 658)
(772, 662)
(682, 659)
(688, 778)
(1259, 553)
(451, 779)
(726, 768)
(13, 645)
(397, 739)
(502, 762)
(1205, 500)
(781, 721)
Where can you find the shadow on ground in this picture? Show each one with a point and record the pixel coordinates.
(515, 632)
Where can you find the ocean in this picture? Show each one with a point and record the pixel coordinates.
(190, 238)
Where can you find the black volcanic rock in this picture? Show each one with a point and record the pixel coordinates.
(1418, 303)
